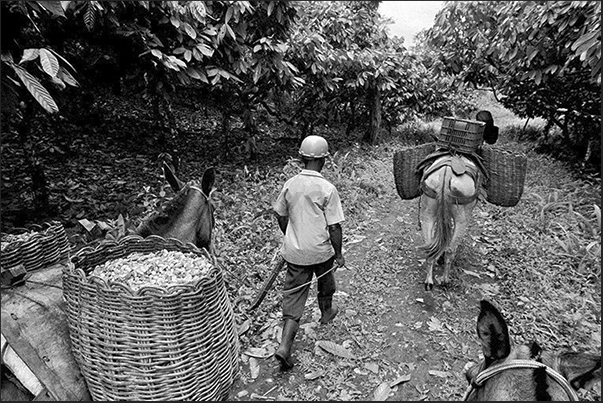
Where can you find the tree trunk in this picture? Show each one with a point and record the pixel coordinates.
(372, 135)
(588, 153)
(564, 128)
(526, 125)
(39, 185)
(251, 128)
(307, 129)
(167, 123)
(226, 131)
(352, 121)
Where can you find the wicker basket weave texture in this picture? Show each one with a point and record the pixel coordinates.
(47, 245)
(405, 169)
(174, 343)
(10, 257)
(507, 173)
(461, 135)
(32, 253)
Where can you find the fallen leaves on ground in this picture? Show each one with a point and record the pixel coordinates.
(382, 392)
(335, 349)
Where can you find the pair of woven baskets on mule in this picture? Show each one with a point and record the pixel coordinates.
(406, 177)
(35, 247)
(177, 342)
(456, 135)
(506, 175)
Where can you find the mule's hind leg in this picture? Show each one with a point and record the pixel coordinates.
(462, 218)
(429, 263)
(448, 259)
(427, 217)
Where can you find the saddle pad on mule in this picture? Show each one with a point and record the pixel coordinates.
(463, 188)
(458, 165)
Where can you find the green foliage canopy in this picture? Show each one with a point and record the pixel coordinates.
(39, 66)
(175, 42)
(540, 56)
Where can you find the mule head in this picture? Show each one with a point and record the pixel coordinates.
(207, 180)
(189, 216)
(201, 208)
(525, 372)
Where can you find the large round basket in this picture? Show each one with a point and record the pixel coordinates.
(158, 343)
(41, 246)
(507, 173)
(407, 179)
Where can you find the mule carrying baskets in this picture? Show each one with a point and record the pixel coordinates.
(158, 343)
(407, 179)
(507, 173)
(461, 135)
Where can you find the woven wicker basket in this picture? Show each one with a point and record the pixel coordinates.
(461, 135)
(158, 343)
(47, 245)
(507, 173)
(405, 169)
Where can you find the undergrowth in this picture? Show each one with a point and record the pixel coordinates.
(547, 254)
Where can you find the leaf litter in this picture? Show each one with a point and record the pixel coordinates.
(543, 270)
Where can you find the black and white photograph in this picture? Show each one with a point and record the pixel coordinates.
(300, 200)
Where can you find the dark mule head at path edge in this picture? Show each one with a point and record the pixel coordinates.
(189, 216)
(525, 372)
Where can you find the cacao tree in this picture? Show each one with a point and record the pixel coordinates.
(541, 59)
(354, 72)
(32, 73)
(345, 59)
(231, 51)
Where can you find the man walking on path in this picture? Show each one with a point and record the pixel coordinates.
(309, 213)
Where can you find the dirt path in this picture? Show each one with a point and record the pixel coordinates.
(387, 321)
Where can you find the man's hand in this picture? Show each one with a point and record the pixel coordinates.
(340, 261)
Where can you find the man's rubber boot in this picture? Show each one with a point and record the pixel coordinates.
(327, 309)
(283, 353)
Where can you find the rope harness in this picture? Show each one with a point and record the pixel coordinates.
(488, 373)
(208, 199)
(198, 189)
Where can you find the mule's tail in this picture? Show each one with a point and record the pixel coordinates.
(443, 220)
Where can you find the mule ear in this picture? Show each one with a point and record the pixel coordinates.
(580, 369)
(493, 332)
(207, 182)
(174, 182)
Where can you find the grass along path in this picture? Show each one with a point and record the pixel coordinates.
(395, 330)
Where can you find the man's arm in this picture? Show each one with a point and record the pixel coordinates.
(282, 222)
(335, 235)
